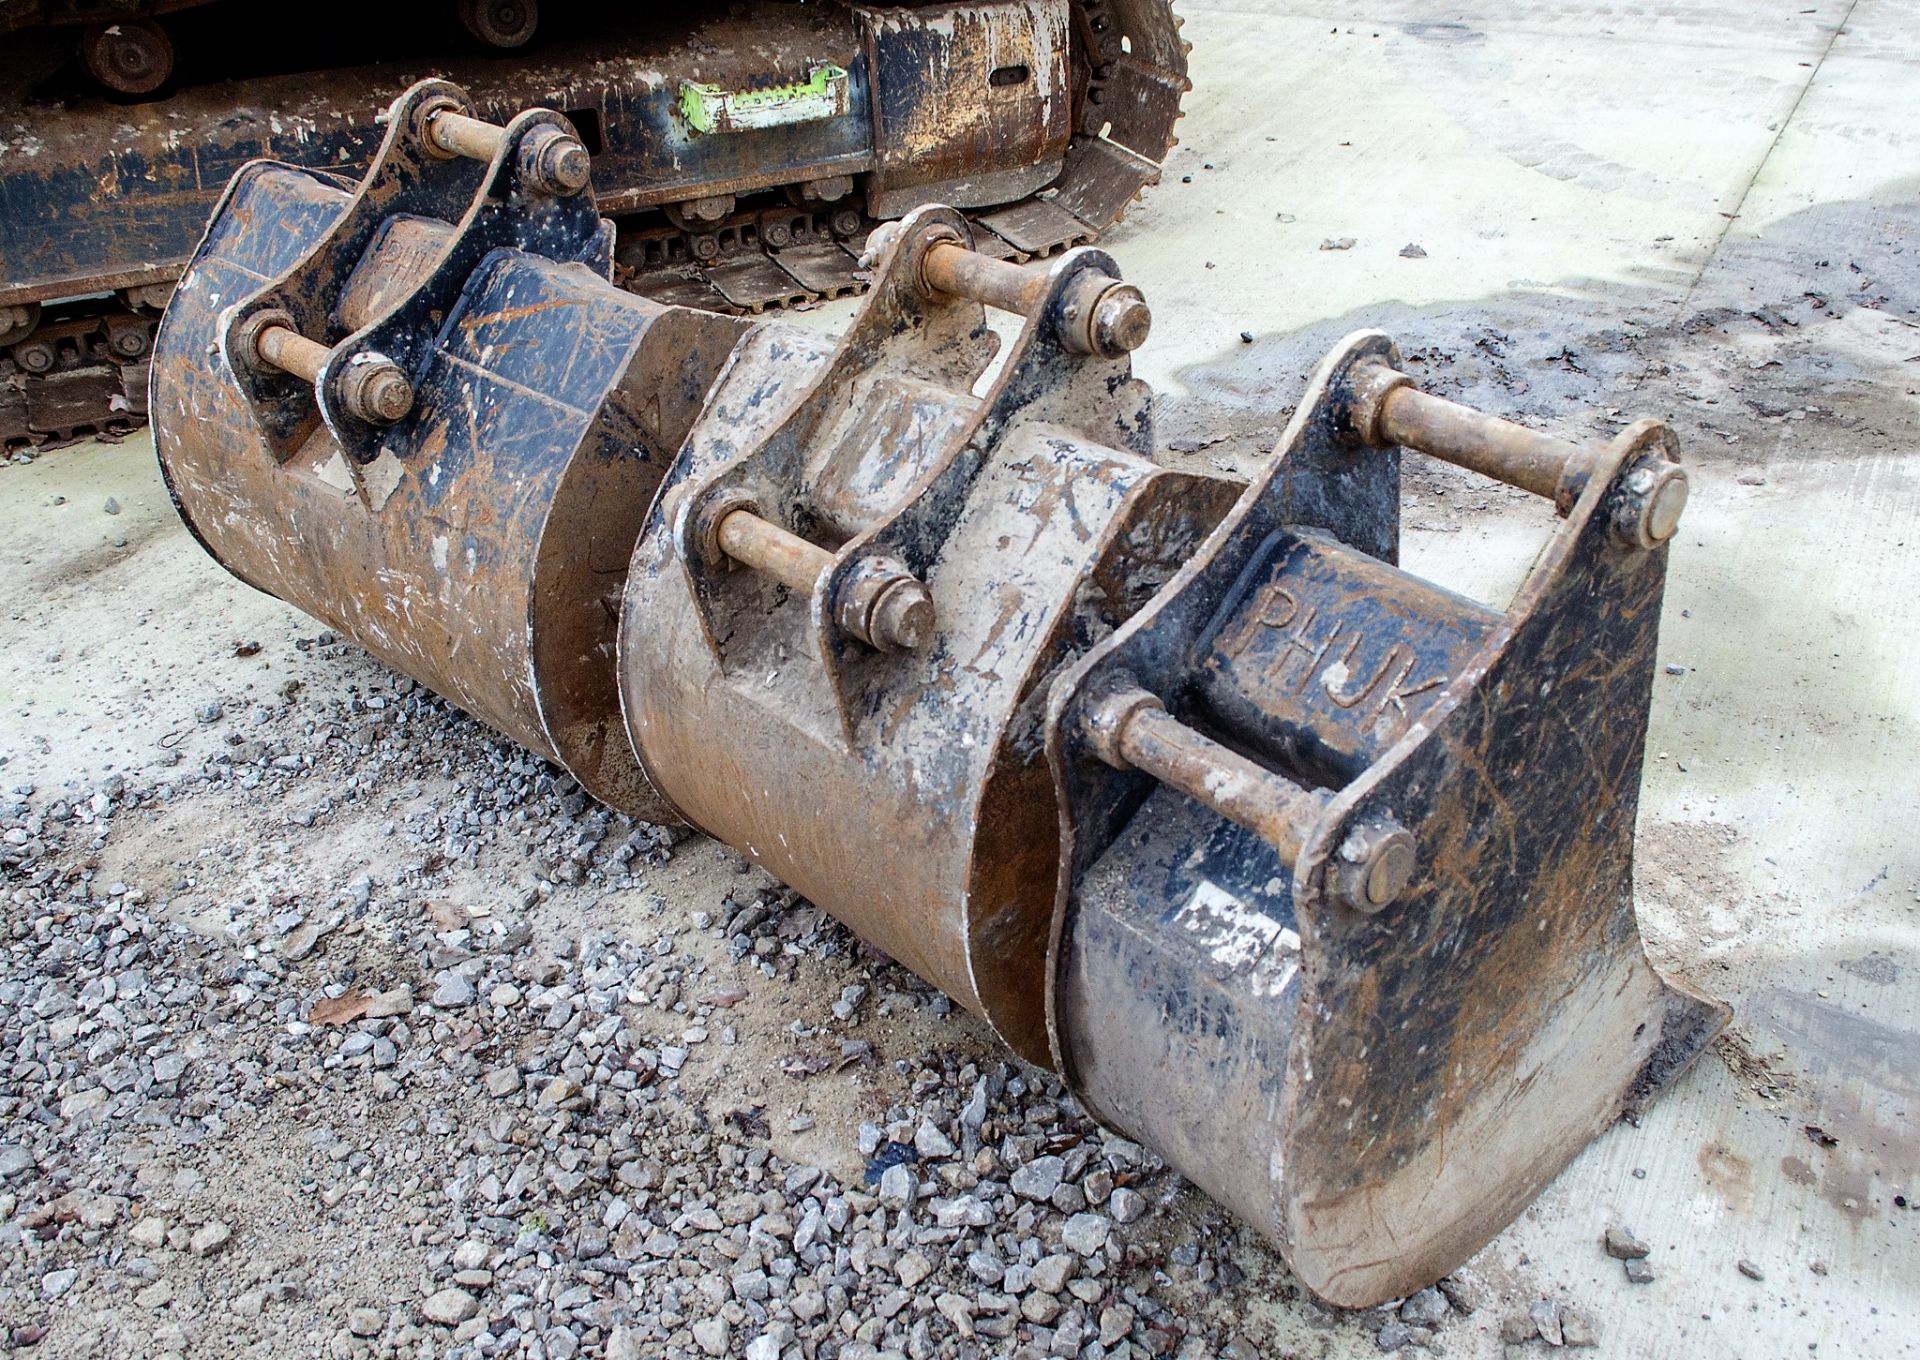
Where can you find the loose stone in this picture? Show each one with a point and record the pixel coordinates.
(449, 1307)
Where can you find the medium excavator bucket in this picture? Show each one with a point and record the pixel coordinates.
(842, 615)
(1312, 875)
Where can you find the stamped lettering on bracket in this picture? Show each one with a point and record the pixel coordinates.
(1323, 658)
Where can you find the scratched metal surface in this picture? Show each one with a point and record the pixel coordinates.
(971, 107)
(1682, 169)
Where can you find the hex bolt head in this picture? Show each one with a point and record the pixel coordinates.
(1121, 321)
(1374, 866)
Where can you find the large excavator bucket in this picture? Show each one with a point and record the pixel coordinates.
(418, 410)
(1314, 876)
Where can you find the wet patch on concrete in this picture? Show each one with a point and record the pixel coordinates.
(1739, 355)
(1862, 1092)
(1877, 968)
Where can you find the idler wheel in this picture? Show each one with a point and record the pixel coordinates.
(501, 24)
(133, 57)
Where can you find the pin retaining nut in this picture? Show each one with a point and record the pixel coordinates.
(1652, 499)
(376, 390)
(1373, 867)
(1121, 321)
(555, 162)
(886, 606)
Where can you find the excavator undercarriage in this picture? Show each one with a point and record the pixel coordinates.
(1306, 871)
(743, 151)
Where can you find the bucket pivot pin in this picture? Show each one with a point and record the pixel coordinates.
(1131, 729)
(1388, 409)
(1105, 316)
(373, 388)
(551, 161)
(881, 603)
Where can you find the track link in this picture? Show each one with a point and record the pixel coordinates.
(78, 373)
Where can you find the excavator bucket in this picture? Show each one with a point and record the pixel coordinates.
(418, 410)
(1309, 873)
(843, 613)
(1350, 857)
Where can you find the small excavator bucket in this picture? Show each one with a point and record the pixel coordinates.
(1347, 928)
(1308, 873)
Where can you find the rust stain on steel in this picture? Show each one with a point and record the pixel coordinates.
(971, 103)
(510, 314)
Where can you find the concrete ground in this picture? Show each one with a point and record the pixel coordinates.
(1704, 211)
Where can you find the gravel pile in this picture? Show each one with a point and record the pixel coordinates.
(370, 1035)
